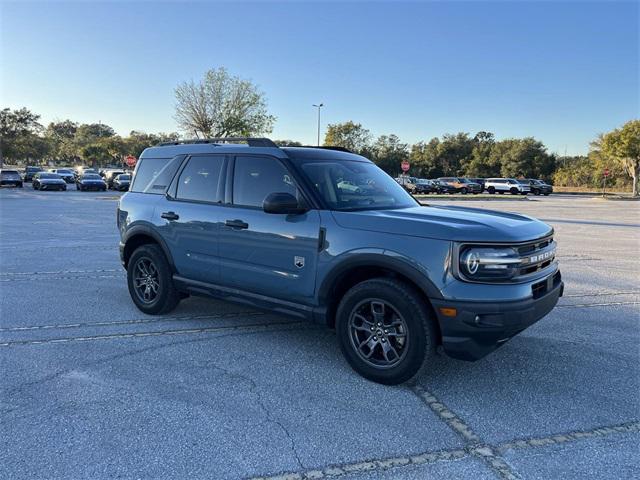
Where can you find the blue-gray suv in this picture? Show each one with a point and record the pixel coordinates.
(324, 234)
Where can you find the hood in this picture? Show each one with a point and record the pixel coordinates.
(460, 224)
(51, 180)
(91, 180)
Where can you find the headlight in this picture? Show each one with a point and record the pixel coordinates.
(486, 263)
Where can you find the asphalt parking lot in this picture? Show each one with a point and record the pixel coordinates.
(92, 388)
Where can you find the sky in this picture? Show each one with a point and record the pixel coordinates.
(561, 72)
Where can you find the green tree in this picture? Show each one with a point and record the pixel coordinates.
(222, 105)
(424, 159)
(349, 135)
(623, 146)
(388, 152)
(19, 131)
(287, 143)
(480, 163)
(522, 157)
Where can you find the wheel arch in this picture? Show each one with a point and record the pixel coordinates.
(142, 235)
(356, 269)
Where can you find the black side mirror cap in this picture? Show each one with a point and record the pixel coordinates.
(282, 203)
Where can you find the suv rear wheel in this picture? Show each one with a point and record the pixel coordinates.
(491, 190)
(150, 281)
(385, 330)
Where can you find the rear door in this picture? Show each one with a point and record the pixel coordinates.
(189, 217)
(269, 254)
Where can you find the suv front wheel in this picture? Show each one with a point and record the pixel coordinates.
(385, 330)
(150, 281)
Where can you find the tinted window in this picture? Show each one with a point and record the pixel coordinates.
(153, 175)
(256, 177)
(355, 185)
(200, 179)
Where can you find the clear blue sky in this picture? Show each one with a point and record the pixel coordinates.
(562, 72)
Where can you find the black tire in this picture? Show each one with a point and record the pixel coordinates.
(20, 185)
(536, 192)
(491, 190)
(513, 190)
(410, 310)
(464, 191)
(165, 297)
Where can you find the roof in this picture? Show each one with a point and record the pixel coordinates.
(170, 150)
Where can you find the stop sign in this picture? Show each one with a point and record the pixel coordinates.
(405, 166)
(130, 160)
(606, 172)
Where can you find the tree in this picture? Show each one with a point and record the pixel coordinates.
(480, 164)
(389, 152)
(222, 105)
(18, 134)
(349, 135)
(522, 157)
(287, 143)
(623, 146)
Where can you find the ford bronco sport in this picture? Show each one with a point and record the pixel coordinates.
(277, 229)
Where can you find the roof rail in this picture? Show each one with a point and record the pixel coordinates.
(251, 141)
(328, 147)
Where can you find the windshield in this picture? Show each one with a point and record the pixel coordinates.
(422, 181)
(91, 176)
(523, 182)
(61, 170)
(49, 175)
(353, 185)
(124, 177)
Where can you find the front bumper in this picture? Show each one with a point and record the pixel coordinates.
(478, 328)
(15, 183)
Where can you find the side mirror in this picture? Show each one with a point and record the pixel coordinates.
(282, 203)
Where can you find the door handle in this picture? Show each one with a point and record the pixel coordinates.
(236, 224)
(170, 215)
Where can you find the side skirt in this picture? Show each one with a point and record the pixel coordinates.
(261, 302)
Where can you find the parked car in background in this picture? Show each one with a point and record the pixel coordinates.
(424, 186)
(539, 187)
(506, 185)
(443, 187)
(29, 172)
(65, 173)
(90, 181)
(479, 181)
(10, 177)
(406, 183)
(110, 175)
(122, 182)
(48, 181)
(461, 185)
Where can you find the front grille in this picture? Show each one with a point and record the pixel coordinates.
(536, 256)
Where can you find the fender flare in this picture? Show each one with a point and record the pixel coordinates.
(146, 230)
(378, 258)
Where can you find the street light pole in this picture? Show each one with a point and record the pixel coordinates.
(319, 106)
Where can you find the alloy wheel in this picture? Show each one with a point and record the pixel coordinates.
(378, 333)
(146, 281)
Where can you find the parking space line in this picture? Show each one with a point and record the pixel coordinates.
(556, 439)
(59, 272)
(601, 294)
(585, 305)
(63, 277)
(248, 327)
(489, 453)
(178, 318)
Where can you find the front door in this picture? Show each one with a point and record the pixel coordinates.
(269, 254)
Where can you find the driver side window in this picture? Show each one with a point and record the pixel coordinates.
(255, 177)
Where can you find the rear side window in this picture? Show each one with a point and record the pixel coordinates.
(200, 179)
(256, 177)
(153, 175)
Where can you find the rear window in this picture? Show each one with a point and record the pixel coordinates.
(153, 175)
